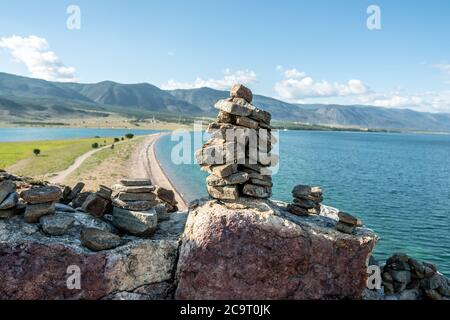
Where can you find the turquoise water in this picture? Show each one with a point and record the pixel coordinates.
(399, 184)
(30, 134)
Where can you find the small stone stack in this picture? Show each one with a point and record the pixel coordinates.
(9, 200)
(405, 278)
(40, 202)
(69, 194)
(306, 201)
(133, 207)
(234, 170)
(347, 223)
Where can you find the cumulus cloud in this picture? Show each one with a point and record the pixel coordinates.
(229, 78)
(298, 85)
(396, 100)
(42, 63)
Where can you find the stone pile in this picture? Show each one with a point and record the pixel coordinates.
(405, 278)
(306, 201)
(9, 200)
(239, 165)
(99, 203)
(347, 223)
(40, 202)
(70, 194)
(134, 205)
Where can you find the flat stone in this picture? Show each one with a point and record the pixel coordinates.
(261, 182)
(34, 212)
(128, 196)
(257, 191)
(133, 189)
(225, 117)
(303, 190)
(223, 193)
(9, 213)
(224, 170)
(235, 178)
(166, 195)
(6, 188)
(76, 190)
(63, 208)
(299, 211)
(241, 91)
(262, 170)
(41, 194)
(138, 223)
(261, 115)
(135, 182)
(348, 219)
(97, 240)
(96, 205)
(104, 192)
(10, 201)
(307, 204)
(78, 201)
(233, 108)
(345, 228)
(247, 122)
(317, 199)
(134, 205)
(57, 224)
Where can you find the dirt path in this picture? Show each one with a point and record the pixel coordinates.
(59, 177)
(143, 163)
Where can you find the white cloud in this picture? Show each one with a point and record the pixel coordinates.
(42, 63)
(229, 78)
(398, 101)
(298, 85)
(443, 67)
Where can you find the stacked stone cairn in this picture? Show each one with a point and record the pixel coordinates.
(405, 278)
(306, 201)
(40, 201)
(234, 163)
(347, 223)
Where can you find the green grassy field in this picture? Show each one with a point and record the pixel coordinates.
(56, 155)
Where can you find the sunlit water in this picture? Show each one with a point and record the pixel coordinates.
(399, 184)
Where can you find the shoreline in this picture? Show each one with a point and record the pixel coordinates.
(157, 174)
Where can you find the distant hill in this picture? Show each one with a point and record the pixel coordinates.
(22, 97)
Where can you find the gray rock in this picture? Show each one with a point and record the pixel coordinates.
(76, 190)
(136, 223)
(345, 228)
(261, 116)
(307, 204)
(63, 208)
(261, 182)
(6, 188)
(10, 201)
(257, 191)
(234, 108)
(224, 170)
(97, 240)
(401, 276)
(134, 205)
(9, 213)
(133, 189)
(247, 122)
(223, 193)
(34, 212)
(348, 219)
(135, 182)
(96, 205)
(58, 224)
(235, 178)
(104, 192)
(166, 195)
(161, 212)
(128, 196)
(41, 194)
(299, 211)
(300, 191)
(78, 201)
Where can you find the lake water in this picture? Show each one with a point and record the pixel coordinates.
(30, 134)
(399, 184)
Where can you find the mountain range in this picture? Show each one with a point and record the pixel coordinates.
(29, 98)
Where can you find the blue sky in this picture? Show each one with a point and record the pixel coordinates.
(300, 51)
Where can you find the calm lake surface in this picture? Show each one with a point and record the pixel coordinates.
(30, 134)
(399, 184)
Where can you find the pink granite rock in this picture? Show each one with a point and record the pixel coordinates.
(257, 250)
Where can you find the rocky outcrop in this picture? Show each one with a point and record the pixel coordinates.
(256, 249)
(35, 265)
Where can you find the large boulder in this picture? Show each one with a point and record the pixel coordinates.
(257, 250)
(34, 265)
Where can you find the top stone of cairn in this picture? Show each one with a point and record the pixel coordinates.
(241, 91)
